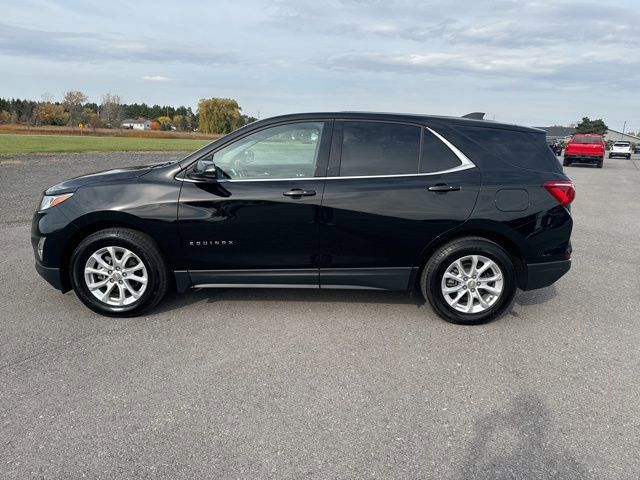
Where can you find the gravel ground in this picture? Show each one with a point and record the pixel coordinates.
(324, 384)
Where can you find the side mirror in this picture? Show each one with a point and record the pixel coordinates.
(204, 169)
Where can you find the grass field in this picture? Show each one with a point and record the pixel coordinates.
(12, 144)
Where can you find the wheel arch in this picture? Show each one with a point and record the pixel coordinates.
(90, 224)
(495, 233)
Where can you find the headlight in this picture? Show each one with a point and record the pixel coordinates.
(49, 201)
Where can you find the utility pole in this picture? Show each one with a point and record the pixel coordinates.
(623, 127)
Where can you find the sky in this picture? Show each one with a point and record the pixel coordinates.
(534, 63)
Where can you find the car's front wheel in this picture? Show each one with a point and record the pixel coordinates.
(119, 272)
(469, 281)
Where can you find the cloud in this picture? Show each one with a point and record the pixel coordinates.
(155, 78)
(97, 48)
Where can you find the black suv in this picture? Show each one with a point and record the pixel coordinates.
(464, 210)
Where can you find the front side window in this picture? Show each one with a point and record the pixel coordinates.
(373, 148)
(285, 151)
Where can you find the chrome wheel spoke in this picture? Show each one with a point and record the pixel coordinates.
(470, 298)
(97, 271)
(130, 289)
(135, 278)
(474, 264)
(495, 278)
(96, 285)
(483, 303)
(459, 297)
(491, 290)
(451, 276)
(453, 289)
(98, 259)
(106, 295)
(461, 270)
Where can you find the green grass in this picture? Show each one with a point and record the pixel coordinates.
(11, 144)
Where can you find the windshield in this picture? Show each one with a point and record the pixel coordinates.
(621, 144)
(580, 139)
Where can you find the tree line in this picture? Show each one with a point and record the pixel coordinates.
(214, 115)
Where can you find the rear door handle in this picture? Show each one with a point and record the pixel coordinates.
(298, 192)
(443, 187)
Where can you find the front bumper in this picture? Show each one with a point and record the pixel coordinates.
(540, 275)
(52, 276)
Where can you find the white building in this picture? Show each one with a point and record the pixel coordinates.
(616, 136)
(132, 124)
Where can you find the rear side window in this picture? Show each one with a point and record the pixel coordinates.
(522, 149)
(373, 148)
(436, 156)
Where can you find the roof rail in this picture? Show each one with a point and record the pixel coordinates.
(474, 115)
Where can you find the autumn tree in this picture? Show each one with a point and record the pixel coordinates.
(5, 117)
(111, 109)
(218, 115)
(246, 120)
(48, 113)
(73, 103)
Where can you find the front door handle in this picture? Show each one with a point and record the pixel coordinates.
(443, 188)
(298, 192)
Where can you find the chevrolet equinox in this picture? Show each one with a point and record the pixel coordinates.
(463, 210)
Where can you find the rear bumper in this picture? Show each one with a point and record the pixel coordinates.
(540, 275)
(583, 158)
(52, 276)
(620, 154)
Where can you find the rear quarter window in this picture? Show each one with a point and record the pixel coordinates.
(527, 150)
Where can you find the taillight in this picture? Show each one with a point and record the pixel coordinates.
(562, 190)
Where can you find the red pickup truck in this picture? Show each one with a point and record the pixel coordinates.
(585, 148)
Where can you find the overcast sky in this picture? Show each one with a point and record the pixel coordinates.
(533, 63)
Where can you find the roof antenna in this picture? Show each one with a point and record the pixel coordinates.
(474, 116)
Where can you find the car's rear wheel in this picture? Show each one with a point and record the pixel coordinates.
(119, 272)
(469, 281)
(566, 163)
(599, 164)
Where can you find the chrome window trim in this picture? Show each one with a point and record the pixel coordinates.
(465, 164)
(461, 156)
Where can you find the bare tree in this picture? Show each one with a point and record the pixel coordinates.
(111, 109)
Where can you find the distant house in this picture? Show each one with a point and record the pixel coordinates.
(615, 136)
(558, 133)
(136, 124)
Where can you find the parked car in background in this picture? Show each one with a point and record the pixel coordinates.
(585, 148)
(463, 211)
(620, 149)
(555, 146)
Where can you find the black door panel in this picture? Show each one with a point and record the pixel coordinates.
(250, 225)
(386, 222)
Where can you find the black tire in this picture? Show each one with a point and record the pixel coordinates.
(566, 163)
(629, 157)
(434, 270)
(610, 156)
(141, 245)
(599, 164)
